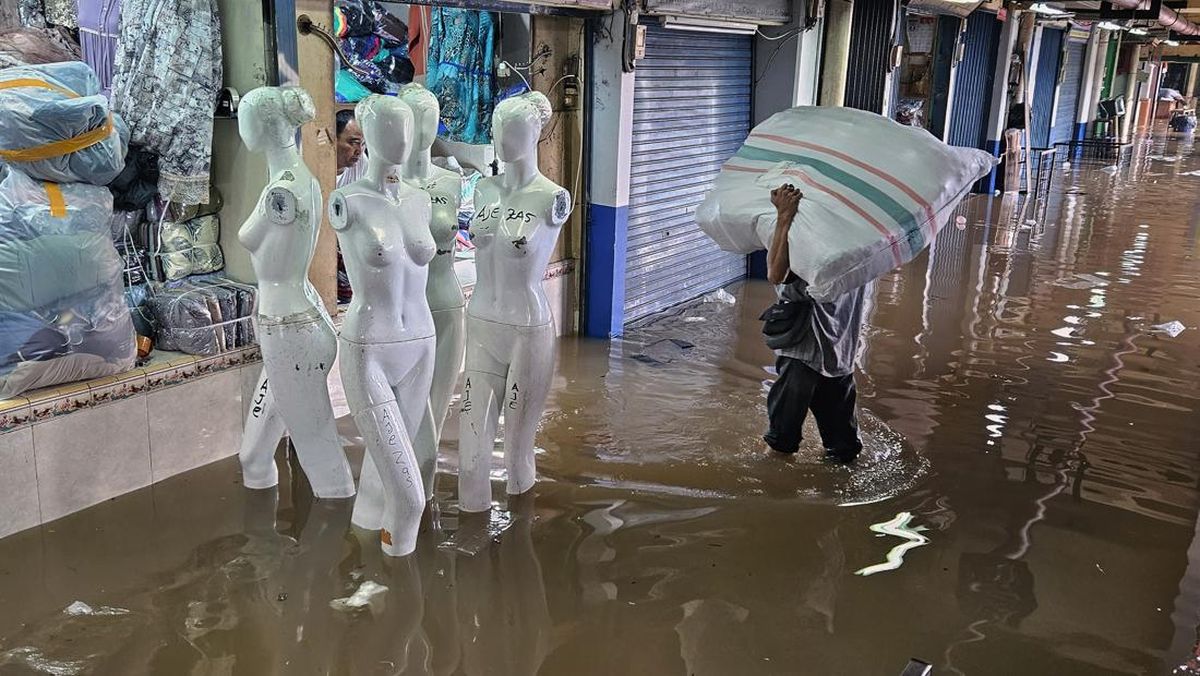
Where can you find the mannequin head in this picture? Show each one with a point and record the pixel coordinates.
(268, 116)
(425, 111)
(387, 126)
(517, 126)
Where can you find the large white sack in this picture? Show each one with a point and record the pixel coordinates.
(875, 193)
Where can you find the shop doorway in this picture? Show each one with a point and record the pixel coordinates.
(691, 112)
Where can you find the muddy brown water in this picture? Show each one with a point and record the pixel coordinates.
(1032, 442)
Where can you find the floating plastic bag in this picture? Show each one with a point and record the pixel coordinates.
(55, 125)
(62, 312)
(875, 193)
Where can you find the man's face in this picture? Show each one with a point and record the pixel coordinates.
(349, 146)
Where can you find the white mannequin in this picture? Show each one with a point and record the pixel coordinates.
(510, 327)
(443, 290)
(387, 340)
(297, 338)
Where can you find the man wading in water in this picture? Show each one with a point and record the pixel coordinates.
(815, 344)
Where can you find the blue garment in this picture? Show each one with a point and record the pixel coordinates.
(461, 72)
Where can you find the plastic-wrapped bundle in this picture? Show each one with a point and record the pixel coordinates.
(62, 313)
(54, 125)
(191, 248)
(203, 316)
(875, 193)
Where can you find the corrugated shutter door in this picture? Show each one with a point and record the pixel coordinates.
(870, 44)
(691, 112)
(1068, 93)
(1049, 54)
(973, 82)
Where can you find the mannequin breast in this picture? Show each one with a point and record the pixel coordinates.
(281, 235)
(444, 188)
(387, 247)
(514, 238)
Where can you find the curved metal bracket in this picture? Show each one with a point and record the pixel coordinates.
(306, 26)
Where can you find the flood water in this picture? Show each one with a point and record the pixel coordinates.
(1026, 504)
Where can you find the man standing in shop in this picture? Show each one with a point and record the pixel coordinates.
(815, 344)
(350, 166)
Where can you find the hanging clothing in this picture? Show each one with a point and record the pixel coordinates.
(31, 13)
(461, 72)
(165, 84)
(99, 28)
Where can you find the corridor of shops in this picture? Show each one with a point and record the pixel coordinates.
(1020, 399)
(283, 284)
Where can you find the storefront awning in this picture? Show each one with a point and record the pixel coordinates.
(959, 8)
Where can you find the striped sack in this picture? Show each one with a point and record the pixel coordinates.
(875, 193)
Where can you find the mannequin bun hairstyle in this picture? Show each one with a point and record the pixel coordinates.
(414, 92)
(534, 105)
(296, 105)
(283, 107)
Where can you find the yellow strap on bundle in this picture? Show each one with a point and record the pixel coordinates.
(58, 203)
(56, 148)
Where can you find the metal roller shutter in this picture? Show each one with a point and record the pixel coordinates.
(691, 112)
(1067, 108)
(871, 30)
(973, 82)
(1046, 80)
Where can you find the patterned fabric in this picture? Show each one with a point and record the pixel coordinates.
(165, 84)
(61, 13)
(461, 73)
(99, 28)
(31, 13)
(375, 44)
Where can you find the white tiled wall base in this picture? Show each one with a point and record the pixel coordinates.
(66, 463)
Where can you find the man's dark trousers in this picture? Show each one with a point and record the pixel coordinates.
(800, 389)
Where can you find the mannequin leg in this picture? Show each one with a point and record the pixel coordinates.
(368, 504)
(418, 413)
(448, 366)
(297, 359)
(387, 388)
(528, 385)
(264, 428)
(389, 445)
(482, 393)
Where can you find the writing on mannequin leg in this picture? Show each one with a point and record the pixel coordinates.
(510, 323)
(388, 337)
(295, 335)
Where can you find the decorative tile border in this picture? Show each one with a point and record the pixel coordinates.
(14, 414)
(52, 402)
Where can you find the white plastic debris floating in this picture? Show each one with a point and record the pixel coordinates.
(899, 527)
(369, 594)
(79, 608)
(720, 296)
(1172, 328)
(875, 193)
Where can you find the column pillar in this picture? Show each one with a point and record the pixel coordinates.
(838, 17)
(610, 133)
(1131, 87)
(318, 140)
(1089, 93)
(998, 117)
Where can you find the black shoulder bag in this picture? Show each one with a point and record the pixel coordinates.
(787, 321)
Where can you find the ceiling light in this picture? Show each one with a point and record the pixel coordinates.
(1137, 31)
(709, 25)
(1043, 8)
(1110, 26)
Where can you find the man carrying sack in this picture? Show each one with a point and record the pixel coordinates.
(815, 344)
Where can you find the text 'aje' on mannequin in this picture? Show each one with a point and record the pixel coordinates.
(295, 333)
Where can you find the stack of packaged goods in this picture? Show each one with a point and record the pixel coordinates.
(375, 44)
(62, 310)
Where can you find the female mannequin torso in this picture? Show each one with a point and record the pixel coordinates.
(295, 333)
(510, 326)
(387, 339)
(515, 229)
